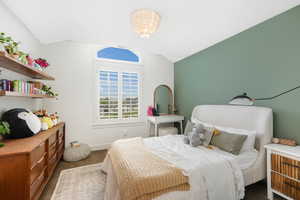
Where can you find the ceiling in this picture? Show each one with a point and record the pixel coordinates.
(187, 26)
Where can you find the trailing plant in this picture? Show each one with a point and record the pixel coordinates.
(48, 91)
(23, 57)
(4, 39)
(4, 130)
(12, 47)
(9, 44)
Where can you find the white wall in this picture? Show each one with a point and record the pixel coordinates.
(12, 26)
(72, 64)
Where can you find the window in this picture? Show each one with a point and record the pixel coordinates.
(118, 95)
(130, 95)
(119, 54)
(118, 86)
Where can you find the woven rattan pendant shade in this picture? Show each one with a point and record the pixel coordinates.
(145, 22)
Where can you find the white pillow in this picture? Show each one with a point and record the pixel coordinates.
(249, 142)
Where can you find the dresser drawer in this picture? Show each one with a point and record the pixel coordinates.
(52, 139)
(286, 186)
(285, 166)
(61, 132)
(60, 140)
(52, 162)
(61, 147)
(52, 150)
(37, 154)
(36, 185)
(60, 150)
(37, 169)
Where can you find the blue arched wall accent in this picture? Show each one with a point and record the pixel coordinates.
(118, 54)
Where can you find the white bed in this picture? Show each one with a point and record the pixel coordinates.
(252, 118)
(247, 168)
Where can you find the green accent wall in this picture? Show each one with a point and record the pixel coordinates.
(262, 61)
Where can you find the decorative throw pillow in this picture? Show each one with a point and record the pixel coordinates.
(208, 134)
(188, 127)
(198, 136)
(229, 142)
(195, 136)
(249, 144)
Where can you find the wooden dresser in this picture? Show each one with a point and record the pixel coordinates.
(283, 168)
(26, 165)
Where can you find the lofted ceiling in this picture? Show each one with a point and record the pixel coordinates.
(187, 26)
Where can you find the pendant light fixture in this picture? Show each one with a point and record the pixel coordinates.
(145, 22)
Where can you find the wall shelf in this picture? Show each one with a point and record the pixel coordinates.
(14, 65)
(19, 94)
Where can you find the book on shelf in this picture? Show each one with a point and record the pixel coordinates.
(25, 87)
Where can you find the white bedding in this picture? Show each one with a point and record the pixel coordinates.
(213, 174)
(245, 159)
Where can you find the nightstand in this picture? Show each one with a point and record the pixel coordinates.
(283, 171)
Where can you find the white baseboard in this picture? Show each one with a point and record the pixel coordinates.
(100, 147)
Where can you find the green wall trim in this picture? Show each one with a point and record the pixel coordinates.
(262, 61)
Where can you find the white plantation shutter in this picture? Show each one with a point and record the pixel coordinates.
(130, 95)
(109, 96)
(118, 95)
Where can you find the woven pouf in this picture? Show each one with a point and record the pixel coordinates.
(73, 154)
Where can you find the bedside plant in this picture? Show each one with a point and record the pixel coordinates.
(4, 130)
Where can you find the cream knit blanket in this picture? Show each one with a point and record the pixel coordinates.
(141, 175)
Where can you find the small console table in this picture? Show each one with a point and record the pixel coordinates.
(156, 120)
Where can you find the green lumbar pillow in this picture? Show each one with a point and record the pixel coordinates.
(231, 143)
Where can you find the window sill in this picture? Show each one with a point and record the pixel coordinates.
(116, 124)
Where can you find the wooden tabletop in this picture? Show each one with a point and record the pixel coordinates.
(25, 145)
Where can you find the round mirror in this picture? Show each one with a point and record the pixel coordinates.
(163, 100)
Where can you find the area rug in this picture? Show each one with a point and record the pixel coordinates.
(81, 183)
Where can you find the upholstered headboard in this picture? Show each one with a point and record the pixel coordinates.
(251, 118)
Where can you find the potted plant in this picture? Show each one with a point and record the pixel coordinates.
(23, 57)
(8, 45)
(12, 48)
(3, 41)
(4, 130)
(48, 91)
